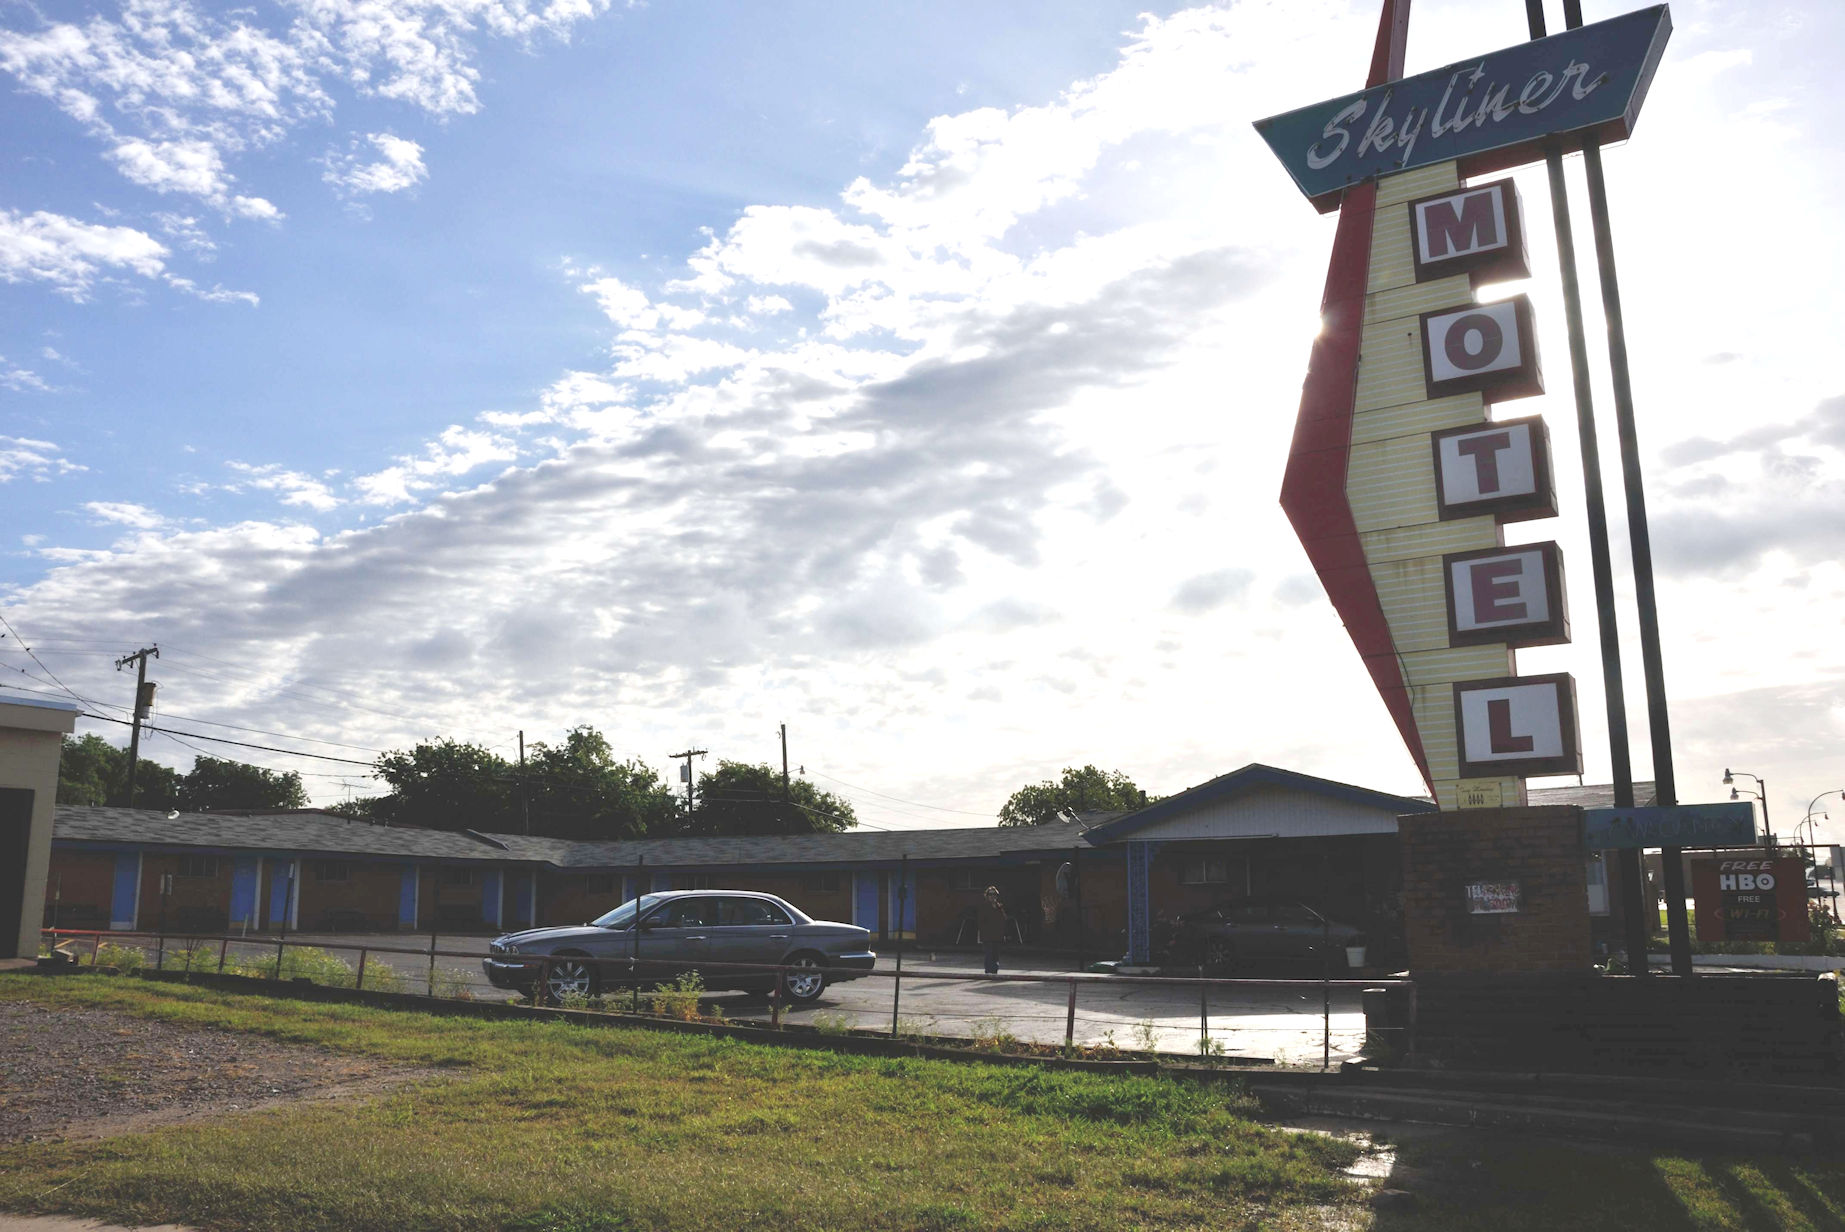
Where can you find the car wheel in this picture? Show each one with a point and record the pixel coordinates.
(805, 979)
(1219, 956)
(570, 976)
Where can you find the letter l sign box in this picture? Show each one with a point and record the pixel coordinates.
(1517, 725)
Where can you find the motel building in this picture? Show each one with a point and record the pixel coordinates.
(1255, 833)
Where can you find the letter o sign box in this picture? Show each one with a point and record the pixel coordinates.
(1490, 349)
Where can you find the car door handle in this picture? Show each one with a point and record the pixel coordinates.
(778, 936)
(694, 938)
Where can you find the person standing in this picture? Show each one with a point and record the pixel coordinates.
(992, 927)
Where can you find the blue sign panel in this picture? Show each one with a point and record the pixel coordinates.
(1490, 113)
(1670, 825)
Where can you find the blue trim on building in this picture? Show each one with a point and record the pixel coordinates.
(406, 898)
(281, 894)
(127, 885)
(490, 897)
(1253, 775)
(908, 923)
(246, 878)
(1140, 923)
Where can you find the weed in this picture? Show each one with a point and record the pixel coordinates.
(678, 999)
(993, 1035)
(833, 1022)
(121, 957)
(451, 984)
(1147, 1035)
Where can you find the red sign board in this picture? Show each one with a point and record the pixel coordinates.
(1756, 897)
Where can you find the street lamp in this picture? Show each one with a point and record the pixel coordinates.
(1812, 837)
(1729, 778)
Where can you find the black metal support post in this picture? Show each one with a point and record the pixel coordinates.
(1076, 878)
(1640, 539)
(1633, 880)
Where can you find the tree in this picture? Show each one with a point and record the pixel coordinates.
(1078, 791)
(740, 798)
(578, 790)
(444, 785)
(214, 783)
(93, 771)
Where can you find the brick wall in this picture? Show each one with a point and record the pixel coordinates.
(1539, 848)
(85, 883)
(366, 899)
(197, 904)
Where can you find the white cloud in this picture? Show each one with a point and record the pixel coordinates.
(22, 380)
(290, 487)
(399, 166)
(71, 255)
(456, 452)
(124, 513)
(40, 460)
(193, 167)
(175, 90)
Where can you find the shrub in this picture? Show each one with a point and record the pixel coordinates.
(121, 957)
(301, 962)
(678, 999)
(451, 984)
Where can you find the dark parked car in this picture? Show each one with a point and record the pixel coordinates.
(686, 930)
(1234, 936)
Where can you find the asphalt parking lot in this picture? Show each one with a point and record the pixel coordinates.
(1283, 1023)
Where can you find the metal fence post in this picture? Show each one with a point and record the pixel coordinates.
(224, 946)
(359, 983)
(634, 949)
(1069, 1021)
(1204, 1017)
(896, 993)
(432, 964)
(95, 948)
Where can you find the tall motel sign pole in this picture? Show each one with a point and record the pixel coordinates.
(1399, 481)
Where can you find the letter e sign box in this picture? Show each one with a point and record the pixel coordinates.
(1511, 595)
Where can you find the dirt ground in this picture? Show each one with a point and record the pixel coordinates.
(83, 1073)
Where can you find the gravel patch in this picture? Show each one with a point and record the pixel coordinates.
(87, 1073)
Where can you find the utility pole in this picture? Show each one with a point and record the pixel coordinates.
(786, 797)
(525, 811)
(686, 774)
(144, 702)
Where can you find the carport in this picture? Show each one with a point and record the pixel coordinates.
(1261, 832)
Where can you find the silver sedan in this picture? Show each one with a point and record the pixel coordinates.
(721, 934)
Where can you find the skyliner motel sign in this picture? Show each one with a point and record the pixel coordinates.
(1399, 481)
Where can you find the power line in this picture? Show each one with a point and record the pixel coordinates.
(20, 642)
(242, 744)
(900, 800)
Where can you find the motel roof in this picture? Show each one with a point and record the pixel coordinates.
(329, 834)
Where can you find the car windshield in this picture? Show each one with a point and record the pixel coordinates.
(623, 915)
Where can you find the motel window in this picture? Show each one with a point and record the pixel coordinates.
(198, 866)
(1205, 870)
(966, 879)
(600, 883)
(821, 883)
(457, 876)
(332, 870)
(693, 881)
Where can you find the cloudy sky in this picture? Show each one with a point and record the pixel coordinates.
(919, 375)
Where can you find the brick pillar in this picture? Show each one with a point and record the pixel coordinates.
(1535, 853)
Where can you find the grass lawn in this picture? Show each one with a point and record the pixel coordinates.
(556, 1126)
